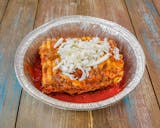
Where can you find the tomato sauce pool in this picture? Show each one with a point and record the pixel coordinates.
(36, 74)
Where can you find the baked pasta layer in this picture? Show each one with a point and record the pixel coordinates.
(84, 77)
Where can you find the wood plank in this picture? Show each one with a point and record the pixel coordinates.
(132, 104)
(106, 117)
(42, 115)
(144, 105)
(156, 3)
(117, 112)
(147, 26)
(19, 13)
(3, 6)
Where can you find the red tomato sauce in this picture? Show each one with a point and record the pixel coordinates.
(36, 75)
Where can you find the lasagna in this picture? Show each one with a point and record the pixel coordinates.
(78, 65)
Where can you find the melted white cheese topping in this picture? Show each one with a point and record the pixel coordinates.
(77, 54)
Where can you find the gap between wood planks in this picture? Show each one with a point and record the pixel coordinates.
(153, 87)
(22, 88)
(11, 33)
(4, 11)
(156, 6)
(18, 109)
(137, 38)
(36, 14)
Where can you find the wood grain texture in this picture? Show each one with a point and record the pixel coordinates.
(42, 115)
(106, 9)
(143, 105)
(126, 113)
(138, 110)
(3, 6)
(19, 13)
(118, 112)
(146, 22)
(156, 3)
(131, 104)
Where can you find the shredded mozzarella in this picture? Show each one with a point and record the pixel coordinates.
(105, 57)
(116, 53)
(77, 54)
(60, 41)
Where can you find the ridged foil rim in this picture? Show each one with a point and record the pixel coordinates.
(28, 87)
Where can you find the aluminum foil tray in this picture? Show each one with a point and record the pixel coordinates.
(77, 26)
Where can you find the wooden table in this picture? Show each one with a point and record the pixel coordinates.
(140, 109)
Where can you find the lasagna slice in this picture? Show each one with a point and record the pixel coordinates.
(78, 65)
